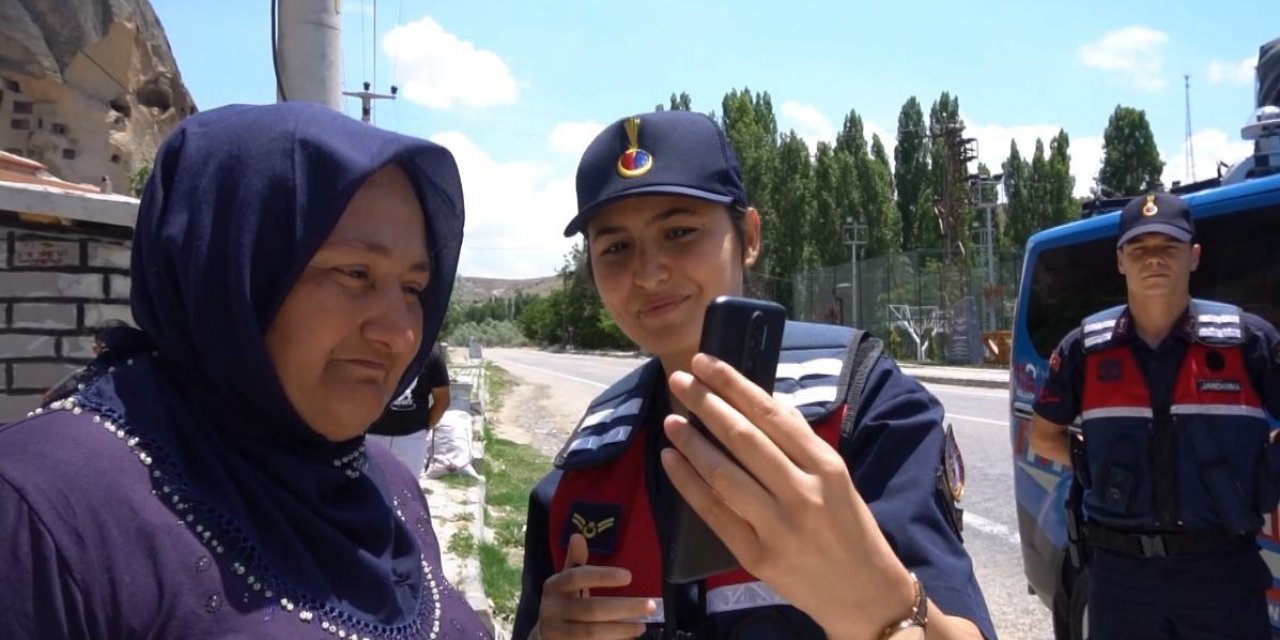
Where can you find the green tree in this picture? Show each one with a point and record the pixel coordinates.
(138, 180)
(752, 129)
(1018, 223)
(792, 212)
(1038, 201)
(884, 222)
(677, 103)
(911, 172)
(1061, 206)
(823, 236)
(1131, 163)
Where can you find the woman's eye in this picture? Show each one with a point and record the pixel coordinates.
(354, 273)
(613, 248)
(413, 289)
(680, 232)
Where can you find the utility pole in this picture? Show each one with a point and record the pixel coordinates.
(308, 50)
(1191, 156)
(855, 235)
(366, 100)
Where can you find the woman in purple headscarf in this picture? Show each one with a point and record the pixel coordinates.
(209, 478)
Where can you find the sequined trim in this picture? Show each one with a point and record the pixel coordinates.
(203, 520)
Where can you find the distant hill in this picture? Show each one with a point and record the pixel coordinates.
(482, 289)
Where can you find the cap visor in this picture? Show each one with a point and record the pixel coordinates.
(1177, 233)
(579, 222)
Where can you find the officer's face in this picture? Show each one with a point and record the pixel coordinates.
(659, 260)
(1154, 264)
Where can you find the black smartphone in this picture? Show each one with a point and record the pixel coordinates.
(746, 334)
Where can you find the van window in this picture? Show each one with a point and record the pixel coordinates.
(1238, 264)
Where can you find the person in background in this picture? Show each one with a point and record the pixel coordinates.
(68, 384)
(1177, 463)
(410, 420)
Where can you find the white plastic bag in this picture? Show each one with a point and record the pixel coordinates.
(449, 446)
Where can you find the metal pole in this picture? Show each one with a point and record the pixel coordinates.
(854, 316)
(310, 50)
(991, 268)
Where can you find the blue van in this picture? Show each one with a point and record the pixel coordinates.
(1070, 272)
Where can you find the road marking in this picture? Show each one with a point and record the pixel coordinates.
(557, 373)
(991, 527)
(958, 416)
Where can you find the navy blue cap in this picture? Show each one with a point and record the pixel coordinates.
(680, 153)
(1156, 213)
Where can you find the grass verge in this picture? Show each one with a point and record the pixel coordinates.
(511, 470)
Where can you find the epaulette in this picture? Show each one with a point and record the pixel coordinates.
(1216, 323)
(1100, 329)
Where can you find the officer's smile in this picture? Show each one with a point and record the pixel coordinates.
(662, 306)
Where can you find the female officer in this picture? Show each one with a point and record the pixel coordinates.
(667, 229)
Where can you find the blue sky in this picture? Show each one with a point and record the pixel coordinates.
(517, 89)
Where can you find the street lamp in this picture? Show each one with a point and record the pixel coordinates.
(986, 234)
(855, 235)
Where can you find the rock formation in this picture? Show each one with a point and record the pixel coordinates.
(88, 88)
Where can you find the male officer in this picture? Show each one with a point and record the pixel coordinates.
(1177, 467)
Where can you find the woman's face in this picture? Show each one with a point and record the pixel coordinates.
(658, 261)
(353, 321)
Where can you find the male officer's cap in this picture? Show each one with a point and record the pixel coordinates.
(681, 153)
(1156, 213)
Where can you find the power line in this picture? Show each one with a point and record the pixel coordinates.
(104, 71)
(364, 47)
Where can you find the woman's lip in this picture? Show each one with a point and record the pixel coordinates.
(372, 365)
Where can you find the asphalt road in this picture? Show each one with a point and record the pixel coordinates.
(980, 419)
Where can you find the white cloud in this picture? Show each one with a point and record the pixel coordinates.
(993, 149)
(808, 122)
(1233, 72)
(1209, 146)
(438, 69)
(515, 213)
(1133, 53)
(572, 138)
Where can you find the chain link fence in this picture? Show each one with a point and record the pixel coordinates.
(899, 298)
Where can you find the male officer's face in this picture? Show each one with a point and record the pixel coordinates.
(659, 260)
(1155, 264)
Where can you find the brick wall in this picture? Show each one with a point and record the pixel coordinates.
(57, 283)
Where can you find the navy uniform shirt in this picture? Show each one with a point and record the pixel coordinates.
(894, 459)
(1063, 389)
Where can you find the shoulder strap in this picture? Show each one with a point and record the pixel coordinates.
(865, 350)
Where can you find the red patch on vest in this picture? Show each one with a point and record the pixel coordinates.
(636, 548)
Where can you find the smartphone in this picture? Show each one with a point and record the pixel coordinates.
(746, 334)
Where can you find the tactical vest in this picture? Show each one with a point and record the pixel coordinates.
(602, 492)
(1196, 465)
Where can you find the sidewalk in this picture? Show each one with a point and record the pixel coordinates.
(962, 376)
(459, 510)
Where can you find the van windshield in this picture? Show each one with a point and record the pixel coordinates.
(1239, 264)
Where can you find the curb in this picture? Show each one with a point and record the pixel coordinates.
(960, 382)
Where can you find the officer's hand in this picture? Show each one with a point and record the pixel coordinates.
(787, 509)
(569, 611)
